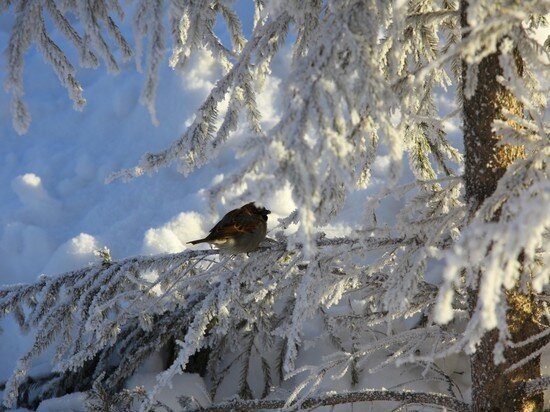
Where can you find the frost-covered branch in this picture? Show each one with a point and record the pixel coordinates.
(510, 250)
(197, 144)
(407, 398)
(30, 28)
(201, 300)
(191, 25)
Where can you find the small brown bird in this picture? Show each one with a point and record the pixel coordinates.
(240, 230)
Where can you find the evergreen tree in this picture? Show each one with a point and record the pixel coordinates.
(363, 86)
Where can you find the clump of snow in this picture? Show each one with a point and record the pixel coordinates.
(280, 202)
(202, 73)
(173, 236)
(186, 384)
(38, 205)
(75, 253)
(73, 402)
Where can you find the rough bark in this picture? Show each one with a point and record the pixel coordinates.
(486, 161)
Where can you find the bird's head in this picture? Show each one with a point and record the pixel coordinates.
(252, 208)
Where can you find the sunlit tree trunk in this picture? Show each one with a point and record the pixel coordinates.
(486, 162)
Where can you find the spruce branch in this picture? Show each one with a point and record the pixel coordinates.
(405, 397)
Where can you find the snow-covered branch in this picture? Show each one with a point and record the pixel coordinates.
(201, 299)
(510, 250)
(404, 397)
(136, 305)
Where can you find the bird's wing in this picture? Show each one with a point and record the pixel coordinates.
(227, 220)
(234, 222)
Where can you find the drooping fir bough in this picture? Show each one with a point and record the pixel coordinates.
(462, 270)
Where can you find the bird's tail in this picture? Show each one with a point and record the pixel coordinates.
(194, 242)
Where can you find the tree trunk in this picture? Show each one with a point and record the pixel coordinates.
(486, 162)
